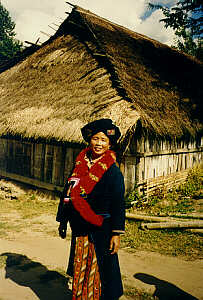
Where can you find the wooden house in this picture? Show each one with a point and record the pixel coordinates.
(90, 69)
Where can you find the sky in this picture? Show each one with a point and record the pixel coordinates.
(34, 18)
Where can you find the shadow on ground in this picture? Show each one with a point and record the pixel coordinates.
(44, 283)
(164, 290)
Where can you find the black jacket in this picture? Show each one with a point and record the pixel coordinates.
(107, 198)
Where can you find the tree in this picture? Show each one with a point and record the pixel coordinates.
(186, 20)
(9, 46)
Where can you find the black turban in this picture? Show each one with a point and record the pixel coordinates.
(103, 125)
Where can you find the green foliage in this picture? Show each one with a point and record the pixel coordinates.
(179, 199)
(193, 184)
(186, 19)
(134, 198)
(9, 46)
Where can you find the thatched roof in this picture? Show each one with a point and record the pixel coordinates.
(92, 68)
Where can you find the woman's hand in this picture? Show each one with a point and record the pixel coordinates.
(114, 244)
(62, 230)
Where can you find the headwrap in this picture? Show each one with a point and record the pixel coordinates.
(103, 125)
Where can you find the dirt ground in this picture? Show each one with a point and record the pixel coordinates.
(34, 260)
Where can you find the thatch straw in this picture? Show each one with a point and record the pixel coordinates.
(108, 72)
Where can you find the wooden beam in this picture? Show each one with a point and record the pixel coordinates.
(52, 27)
(31, 181)
(70, 4)
(99, 54)
(30, 43)
(183, 216)
(80, 26)
(147, 218)
(167, 225)
(167, 152)
(49, 35)
(56, 24)
(37, 40)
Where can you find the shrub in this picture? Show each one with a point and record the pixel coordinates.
(174, 200)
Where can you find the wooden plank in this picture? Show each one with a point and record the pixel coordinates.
(31, 181)
(48, 163)
(58, 165)
(188, 224)
(147, 218)
(39, 155)
(168, 152)
(68, 163)
(3, 154)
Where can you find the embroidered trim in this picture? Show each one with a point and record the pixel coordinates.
(111, 132)
(104, 166)
(93, 177)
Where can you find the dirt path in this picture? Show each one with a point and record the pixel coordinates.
(37, 260)
(34, 258)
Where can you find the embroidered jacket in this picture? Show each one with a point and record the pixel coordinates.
(106, 199)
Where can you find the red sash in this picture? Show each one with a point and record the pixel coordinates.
(84, 180)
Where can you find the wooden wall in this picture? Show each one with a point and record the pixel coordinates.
(148, 163)
(44, 165)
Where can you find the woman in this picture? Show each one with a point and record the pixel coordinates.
(93, 203)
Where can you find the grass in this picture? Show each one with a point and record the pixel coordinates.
(134, 293)
(167, 242)
(182, 200)
(29, 208)
(2, 261)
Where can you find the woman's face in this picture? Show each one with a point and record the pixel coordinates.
(99, 143)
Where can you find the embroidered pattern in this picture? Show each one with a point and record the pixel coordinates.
(111, 132)
(83, 192)
(104, 166)
(113, 155)
(93, 177)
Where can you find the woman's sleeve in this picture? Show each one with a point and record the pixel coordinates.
(63, 210)
(118, 203)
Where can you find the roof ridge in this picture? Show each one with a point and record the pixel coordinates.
(127, 30)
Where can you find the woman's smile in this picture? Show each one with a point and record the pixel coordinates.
(99, 144)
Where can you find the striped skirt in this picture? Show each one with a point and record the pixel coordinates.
(86, 277)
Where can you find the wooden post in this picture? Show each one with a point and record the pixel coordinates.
(129, 174)
(48, 163)
(3, 154)
(39, 154)
(68, 163)
(58, 166)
